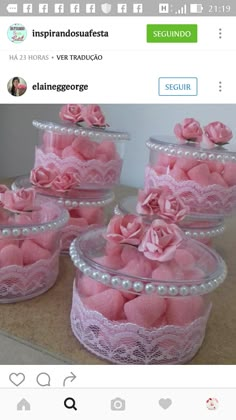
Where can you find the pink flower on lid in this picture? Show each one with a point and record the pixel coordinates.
(190, 130)
(42, 177)
(162, 203)
(72, 113)
(161, 241)
(3, 188)
(93, 116)
(126, 229)
(217, 133)
(65, 181)
(21, 200)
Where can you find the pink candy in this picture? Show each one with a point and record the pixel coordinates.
(163, 273)
(178, 174)
(184, 259)
(145, 310)
(109, 303)
(33, 252)
(11, 255)
(88, 287)
(200, 174)
(230, 174)
(182, 311)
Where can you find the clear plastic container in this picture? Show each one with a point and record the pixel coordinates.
(29, 250)
(93, 155)
(128, 309)
(86, 208)
(203, 178)
(193, 227)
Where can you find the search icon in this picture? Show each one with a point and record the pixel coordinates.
(70, 403)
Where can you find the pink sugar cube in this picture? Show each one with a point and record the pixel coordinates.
(182, 311)
(108, 148)
(165, 160)
(215, 166)
(193, 274)
(216, 178)
(184, 259)
(200, 174)
(85, 147)
(110, 303)
(230, 174)
(145, 310)
(70, 152)
(88, 287)
(93, 215)
(113, 262)
(33, 252)
(46, 240)
(186, 163)
(160, 170)
(11, 255)
(5, 242)
(129, 253)
(113, 249)
(138, 266)
(178, 174)
(163, 273)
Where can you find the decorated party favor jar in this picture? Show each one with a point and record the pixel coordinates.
(81, 152)
(142, 293)
(198, 164)
(86, 208)
(158, 203)
(29, 244)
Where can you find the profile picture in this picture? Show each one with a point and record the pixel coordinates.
(16, 33)
(17, 86)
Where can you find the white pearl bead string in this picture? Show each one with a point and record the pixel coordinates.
(70, 203)
(176, 150)
(140, 286)
(81, 131)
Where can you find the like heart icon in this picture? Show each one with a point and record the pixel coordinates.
(165, 403)
(17, 378)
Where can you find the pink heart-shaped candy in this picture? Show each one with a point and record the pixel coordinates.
(216, 178)
(33, 252)
(230, 174)
(88, 287)
(11, 255)
(108, 148)
(184, 259)
(185, 164)
(163, 273)
(178, 174)
(145, 310)
(200, 174)
(182, 311)
(109, 303)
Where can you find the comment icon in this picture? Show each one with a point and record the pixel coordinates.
(43, 379)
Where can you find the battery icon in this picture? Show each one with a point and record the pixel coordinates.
(196, 8)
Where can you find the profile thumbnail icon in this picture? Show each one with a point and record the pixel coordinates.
(17, 86)
(212, 403)
(17, 33)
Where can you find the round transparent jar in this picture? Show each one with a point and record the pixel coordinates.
(93, 155)
(29, 250)
(85, 208)
(205, 179)
(193, 227)
(128, 319)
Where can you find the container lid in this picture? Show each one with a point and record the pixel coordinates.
(193, 226)
(76, 130)
(47, 216)
(171, 146)
(72, 198)
(207, 272)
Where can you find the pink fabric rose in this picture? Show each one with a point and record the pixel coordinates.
(161, 241)
(21, 200)
(148, 202)
(190, 129)
(126, 229)
(42, 177)
(72, 113)
(217, 133)
(65, 181)
(93, 116)
(3, 188)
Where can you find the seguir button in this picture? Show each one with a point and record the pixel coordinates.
(178, 86)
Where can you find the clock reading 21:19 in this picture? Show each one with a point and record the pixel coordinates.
(219, 9)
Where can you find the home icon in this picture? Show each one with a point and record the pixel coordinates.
(23, 405)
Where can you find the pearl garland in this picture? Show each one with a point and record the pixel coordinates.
(81, 131)
(80, 203)
(175, 150)
(37, 229)
(140, 286)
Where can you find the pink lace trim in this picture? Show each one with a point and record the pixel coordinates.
(90, 172)
(213, 199)
(22, 283)
(126, 343)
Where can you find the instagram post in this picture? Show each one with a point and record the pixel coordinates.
(117, 232)
(117, 210)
